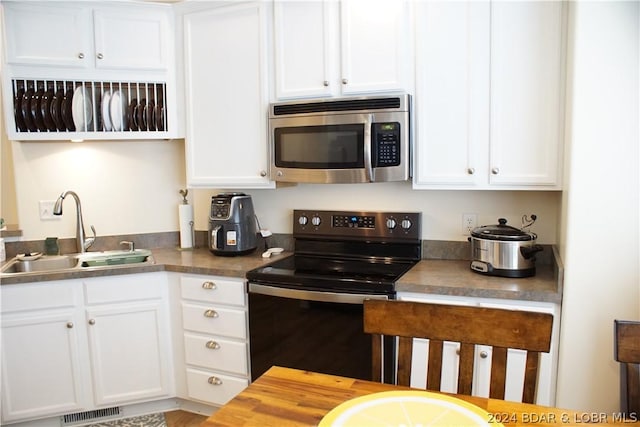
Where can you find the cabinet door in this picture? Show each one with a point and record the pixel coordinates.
(42, 372)
(303, 68)
(131, 39)
(527, 92)
(226, 97)
(376, 45)
(129, 352)
(48, 35)
(452, 93)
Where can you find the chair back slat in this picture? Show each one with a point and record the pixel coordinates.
(434, 365)
(468, 325)
(465, 368)
(498, 372)
(627, 352)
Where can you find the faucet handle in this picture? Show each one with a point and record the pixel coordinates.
(90, 240)
(128, 243)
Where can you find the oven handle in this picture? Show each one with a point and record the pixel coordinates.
(336, 297)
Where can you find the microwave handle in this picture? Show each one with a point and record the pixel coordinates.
(368, 147)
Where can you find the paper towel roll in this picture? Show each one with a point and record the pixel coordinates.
(185, 212)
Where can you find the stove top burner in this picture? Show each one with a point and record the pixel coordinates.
(321, 273)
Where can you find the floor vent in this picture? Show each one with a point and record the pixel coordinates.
(82, 417)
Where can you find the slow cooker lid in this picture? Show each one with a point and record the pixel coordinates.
(502, 231)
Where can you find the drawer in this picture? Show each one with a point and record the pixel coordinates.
(43, 295)
(125, 287)
(214, 319)
(213, 289)
(216, 353)
(213, 388)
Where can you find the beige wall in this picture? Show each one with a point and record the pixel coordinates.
(125, 186)
(600, 213)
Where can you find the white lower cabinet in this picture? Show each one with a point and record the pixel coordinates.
(482, 364)
(214, 318)
(128, 339)
(78, 345)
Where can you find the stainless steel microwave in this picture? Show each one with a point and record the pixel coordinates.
(347, 140)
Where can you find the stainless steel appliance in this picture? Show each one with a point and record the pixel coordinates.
(305, 311)
(347, 140)
(503, 250)
(232, 224)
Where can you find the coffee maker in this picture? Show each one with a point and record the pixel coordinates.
(232, 224)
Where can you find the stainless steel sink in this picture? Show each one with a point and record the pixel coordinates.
(42, 264)
(70, 262)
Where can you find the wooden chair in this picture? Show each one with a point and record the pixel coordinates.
(468, 325)
(627, 352)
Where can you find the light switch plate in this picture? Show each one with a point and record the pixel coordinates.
(46, 209)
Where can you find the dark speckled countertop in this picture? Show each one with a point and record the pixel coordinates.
(431, 276)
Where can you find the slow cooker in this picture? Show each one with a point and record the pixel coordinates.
(503, 250)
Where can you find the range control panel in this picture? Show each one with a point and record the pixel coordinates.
(364, 225)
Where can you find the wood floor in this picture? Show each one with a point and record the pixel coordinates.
(183, 419)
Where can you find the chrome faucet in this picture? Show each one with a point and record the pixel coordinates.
(82, 243)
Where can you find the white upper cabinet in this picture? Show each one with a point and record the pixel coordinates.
(65, 61)
(527, 92)
(489, 95)
(348, 47)
(226, 96)
(452, 93)
(138, 38)
(47, 34)
(83, 36)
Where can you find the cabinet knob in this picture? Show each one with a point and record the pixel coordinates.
(212, 345)
(495, 171)
(210, 313)
(92, 321)
(484, 354)
(81, 55)
(471, 171)
(345, 81)
(325, 83)
(100, 56)
(263, 173)
(215, 381)
(69, 325)
(208, 285)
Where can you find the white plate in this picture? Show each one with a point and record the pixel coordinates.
(118, 110)
(104, 107)
(81, 109)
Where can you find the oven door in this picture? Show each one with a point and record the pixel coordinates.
(321, 148)
(311, 330)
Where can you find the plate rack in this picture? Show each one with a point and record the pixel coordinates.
(62, 106)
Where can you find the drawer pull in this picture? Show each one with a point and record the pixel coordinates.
(215, 381)
(70, 325)
(484, 354)
(213, 345)
(210, 313)
(208, 285)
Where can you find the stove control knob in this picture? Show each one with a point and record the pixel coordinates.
(303, 220)
(391, 223)
(406, 224)
(316, 220)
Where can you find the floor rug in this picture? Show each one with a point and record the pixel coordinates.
(151, 420)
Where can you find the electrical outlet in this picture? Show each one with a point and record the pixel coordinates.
(46, 209)
(469, 222)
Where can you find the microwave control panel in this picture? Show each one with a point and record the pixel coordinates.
(386, 144)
